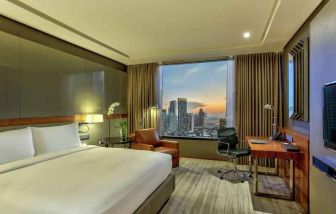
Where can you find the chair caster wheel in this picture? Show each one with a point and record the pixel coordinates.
(221, 178)
(241, 181)
(219, 171)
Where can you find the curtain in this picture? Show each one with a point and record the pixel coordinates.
(142, 93)
(258, 82)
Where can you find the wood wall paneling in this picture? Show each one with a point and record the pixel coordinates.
(49, 120)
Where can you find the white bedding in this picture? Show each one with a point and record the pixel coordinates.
(86, 179)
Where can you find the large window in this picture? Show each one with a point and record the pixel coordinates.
(197, 98)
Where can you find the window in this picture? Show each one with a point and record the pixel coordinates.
(291, 86)
(197, 98)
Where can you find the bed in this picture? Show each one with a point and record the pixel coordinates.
(87, 179)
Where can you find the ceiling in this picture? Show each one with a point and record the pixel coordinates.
(133, 31)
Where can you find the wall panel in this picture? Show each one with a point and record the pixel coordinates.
(95, 100)
(323, 70)
(116, 89)
(47, 80)
(9, 76)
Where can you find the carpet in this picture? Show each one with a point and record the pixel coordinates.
(199, 190)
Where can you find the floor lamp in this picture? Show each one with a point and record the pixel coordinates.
(274, 124)
(152, 111)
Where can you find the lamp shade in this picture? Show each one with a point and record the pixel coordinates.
(268, 107)
(94, 118)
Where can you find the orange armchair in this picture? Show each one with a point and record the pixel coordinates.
(148, 139)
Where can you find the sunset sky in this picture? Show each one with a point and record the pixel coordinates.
(203, 84)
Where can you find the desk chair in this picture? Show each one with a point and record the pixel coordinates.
(227, 147)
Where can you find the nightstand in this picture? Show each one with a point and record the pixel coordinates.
(111, 141)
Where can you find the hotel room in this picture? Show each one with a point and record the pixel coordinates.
(118, 106)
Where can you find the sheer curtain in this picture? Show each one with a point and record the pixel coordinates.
(230, 94)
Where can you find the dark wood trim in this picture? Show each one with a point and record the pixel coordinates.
(26, 32)
(47, 120)
(115, 116)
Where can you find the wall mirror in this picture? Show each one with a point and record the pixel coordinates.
(298, 80)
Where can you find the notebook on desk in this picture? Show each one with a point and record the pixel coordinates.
(258, 141)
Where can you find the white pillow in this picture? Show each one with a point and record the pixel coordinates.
(16, 145)
(55, 138)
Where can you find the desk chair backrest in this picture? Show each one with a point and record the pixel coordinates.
(227, 136)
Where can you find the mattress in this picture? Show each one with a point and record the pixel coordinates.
(87, 179)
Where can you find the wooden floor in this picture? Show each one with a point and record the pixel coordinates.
(199, 189)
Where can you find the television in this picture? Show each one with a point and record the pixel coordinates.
(329, 115)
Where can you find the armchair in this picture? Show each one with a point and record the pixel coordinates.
(148, 139)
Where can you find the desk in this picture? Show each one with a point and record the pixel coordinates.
(272, 149)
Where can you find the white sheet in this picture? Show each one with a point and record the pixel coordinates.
(82, 180)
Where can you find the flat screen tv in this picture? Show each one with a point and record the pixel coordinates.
(329, 115)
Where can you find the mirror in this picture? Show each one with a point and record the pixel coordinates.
(298, 81)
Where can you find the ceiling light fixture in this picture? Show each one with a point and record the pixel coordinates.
(247, 35)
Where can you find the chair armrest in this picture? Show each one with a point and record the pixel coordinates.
(227, 144)
(142, 146)
(132, 136)
(170, 144)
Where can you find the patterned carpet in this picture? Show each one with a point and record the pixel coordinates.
(199, 190)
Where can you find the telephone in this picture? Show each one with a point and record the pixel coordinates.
(279, 137)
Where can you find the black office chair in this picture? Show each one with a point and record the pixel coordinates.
(227, 147)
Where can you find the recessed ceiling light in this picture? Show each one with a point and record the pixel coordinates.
(247, 35)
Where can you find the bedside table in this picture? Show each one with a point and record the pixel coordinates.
(111, 141)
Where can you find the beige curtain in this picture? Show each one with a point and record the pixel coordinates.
(258, 82)
(141, 94)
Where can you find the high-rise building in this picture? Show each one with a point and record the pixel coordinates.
(164, 121)
(182, 114)
(200, 118)
(172, 107)
(172, 118)
(191, 122)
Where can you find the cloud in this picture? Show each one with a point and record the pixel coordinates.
(186, 74)
(193, 105)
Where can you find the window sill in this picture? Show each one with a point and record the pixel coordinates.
(189, 138)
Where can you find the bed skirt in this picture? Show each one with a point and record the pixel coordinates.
(158, 198)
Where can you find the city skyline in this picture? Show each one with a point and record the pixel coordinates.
(203, 84)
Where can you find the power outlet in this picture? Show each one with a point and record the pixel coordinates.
(84, 137)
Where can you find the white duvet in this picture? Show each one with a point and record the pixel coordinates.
(87, 179)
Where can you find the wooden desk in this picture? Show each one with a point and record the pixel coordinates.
(272, 149)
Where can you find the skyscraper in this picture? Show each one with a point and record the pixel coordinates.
(172, 107)
(182, 114)
(191, 122)
(172, 118)
(200, 118)
(164, 121)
